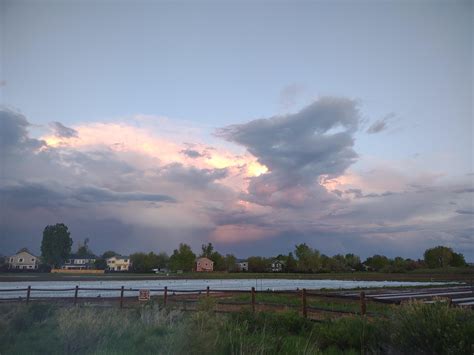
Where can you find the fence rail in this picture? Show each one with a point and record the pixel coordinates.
(168, 295)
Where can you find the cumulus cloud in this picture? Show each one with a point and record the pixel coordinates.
(294, 183)
(299, 148)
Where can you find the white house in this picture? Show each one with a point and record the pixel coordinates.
(23, 260)
(242, 265)
(277, 265)
(119, 263)
(83, 262)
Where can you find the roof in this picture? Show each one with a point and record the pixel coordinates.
(204, 258)
(88, 256)
(120, 257)
(25, 250)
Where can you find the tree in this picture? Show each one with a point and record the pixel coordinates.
(230, 262)
(377, 262)
(83, 249)
(291, 263)
(258, 264)
(56, 244)
(309, 259)
(207, 250)
(458, 260)
(439, 256)
(183, 258)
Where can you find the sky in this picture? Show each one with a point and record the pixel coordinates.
(254, 125)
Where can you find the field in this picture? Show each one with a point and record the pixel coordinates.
(151, 329)
(446, 274)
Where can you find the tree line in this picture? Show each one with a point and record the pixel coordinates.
(57, 243)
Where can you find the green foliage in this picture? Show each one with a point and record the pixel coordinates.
(148, 329)
(258, 264)
(183, 258)
(441, 256)
(56, 244)
(142, 262)
(108, 254)
(433, 329)
(83, 249)
(309, 259)
(377, 262)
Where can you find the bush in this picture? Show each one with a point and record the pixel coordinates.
(432, 329)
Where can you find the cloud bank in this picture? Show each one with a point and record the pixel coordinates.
(268, 184)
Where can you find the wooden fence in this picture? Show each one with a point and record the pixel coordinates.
(182, 298)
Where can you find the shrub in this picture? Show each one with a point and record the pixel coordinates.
(432, 329)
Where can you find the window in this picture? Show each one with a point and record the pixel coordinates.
(126, 260)
(11, 260)
(20, 260)
(33, 259)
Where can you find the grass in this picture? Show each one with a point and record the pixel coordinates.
(446, 274)
(149, 329)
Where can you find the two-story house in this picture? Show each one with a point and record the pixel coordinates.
(119, 263)
(204, 264)
(242, 265)
(80, 262)
(23, 260)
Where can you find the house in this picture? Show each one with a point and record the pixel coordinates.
(119, 263)
(80, 262)
(204, 265)
(277, 265)
(23, 260)
(242, 265)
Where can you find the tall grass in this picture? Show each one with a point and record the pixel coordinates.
(414, 328)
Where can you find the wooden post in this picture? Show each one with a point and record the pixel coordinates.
(363, 306)
(207, 291)
(121, 297)
(303, 302)
(253, 299)
(165, 296)
(28, 292)
(76, 292)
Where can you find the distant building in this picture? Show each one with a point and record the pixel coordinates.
(277, 265)
(82, 262)
(23, 260)
(204, 265)
(119, 263)
(242, 265)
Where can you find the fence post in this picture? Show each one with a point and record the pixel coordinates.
(76, 292)
(165, 296)
(207, 291)
(363, 306)
(303, 299)
(28, 292)
(253, 299)
(121, 297)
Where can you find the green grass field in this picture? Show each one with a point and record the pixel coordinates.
(149, 329)
(447, 274)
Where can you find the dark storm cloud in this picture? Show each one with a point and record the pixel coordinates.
(380, 125)
(191, 176)
(464, 190)
(100, 194)
(29, 195)
(298, 148)
(465, 211)
(62, 131)
(14, 133)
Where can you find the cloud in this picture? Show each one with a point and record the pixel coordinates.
(62, 131)
(380, 125)
(137, 189)
(192, 153)
(299, 148)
